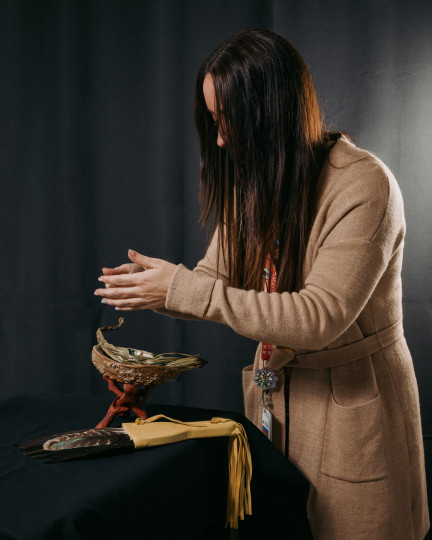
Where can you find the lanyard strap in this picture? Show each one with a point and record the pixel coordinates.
(269, 285)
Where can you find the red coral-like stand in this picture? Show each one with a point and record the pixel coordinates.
(130, 397)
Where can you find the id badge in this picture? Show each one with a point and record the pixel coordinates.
(266, 423)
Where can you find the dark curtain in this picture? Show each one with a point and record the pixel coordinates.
(99, 154)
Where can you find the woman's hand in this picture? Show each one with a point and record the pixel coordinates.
(128, 287)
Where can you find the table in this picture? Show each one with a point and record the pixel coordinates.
(175, 491)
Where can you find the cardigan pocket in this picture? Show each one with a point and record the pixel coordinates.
(353, 444)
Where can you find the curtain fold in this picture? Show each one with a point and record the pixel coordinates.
(98, 154)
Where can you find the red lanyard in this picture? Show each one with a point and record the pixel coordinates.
(269, 285)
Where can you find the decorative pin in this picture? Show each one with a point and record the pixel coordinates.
(265, 378)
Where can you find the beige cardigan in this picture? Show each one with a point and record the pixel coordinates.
(354, 421)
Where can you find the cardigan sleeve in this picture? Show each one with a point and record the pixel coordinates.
(365, 227)
(211, 266)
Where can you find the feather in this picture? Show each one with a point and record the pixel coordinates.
(89, 437)
(77, 444)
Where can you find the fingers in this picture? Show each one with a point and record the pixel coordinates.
(123, 269)
(132, 303)
(122, 280)
(127, 268)
(125, 305)
(123, 299)
(142, 260)
(114, 294)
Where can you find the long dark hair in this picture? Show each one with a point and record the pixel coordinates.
(260, 188)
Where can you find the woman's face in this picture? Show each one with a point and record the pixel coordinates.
(210, 99)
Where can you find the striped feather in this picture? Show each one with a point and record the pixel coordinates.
(77, 444)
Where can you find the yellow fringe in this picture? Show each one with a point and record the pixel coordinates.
(239, 501)
(145, 433)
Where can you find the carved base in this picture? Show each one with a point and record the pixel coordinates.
(129, 398)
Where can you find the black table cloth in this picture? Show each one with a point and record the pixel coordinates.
(175, 491)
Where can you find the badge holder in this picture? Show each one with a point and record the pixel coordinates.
(266, 379)
(266, 416)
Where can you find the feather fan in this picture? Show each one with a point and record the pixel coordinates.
(77, 444)
(149, 432)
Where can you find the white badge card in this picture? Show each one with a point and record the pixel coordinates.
(267, 423)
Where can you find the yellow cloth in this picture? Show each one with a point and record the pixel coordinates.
(145, 433)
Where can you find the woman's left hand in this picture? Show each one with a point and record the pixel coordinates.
(139, 290)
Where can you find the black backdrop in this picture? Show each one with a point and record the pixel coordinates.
(99, 154)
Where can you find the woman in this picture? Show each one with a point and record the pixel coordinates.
(326, 219)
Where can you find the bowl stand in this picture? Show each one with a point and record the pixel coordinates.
(130, 397)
